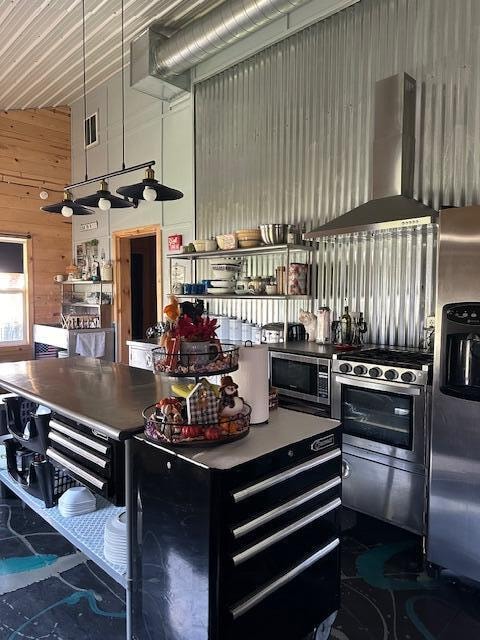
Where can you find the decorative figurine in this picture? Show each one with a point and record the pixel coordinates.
(228, 391)
(230, 403)
(309, 321)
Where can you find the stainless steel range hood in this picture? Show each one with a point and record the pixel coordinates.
(393, 205)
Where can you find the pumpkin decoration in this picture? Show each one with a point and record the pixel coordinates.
(191, 431)
(213, 433)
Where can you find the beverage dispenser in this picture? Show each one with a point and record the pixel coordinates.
(460, 369)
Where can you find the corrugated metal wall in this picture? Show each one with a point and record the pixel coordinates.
(287, 136)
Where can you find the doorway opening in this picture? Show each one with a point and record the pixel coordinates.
(144, 286)
(138, 284)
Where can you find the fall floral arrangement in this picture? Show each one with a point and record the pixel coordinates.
(189, 344)
(196, 330)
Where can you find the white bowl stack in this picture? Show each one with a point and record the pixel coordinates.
(226, 271)
(115, 539)
(76, 501)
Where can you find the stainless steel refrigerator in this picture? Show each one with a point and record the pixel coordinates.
(454, 510)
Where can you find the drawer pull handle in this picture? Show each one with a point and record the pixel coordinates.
(238, 496)
(74, 468)
(240, 531)
(255, 549)
(80, 437)
(80, 451)
(251, 602)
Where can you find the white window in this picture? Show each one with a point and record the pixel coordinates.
(91, 130)
(13, 291)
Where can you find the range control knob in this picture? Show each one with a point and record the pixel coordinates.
(375, 372)
(345, 368)
(360, 370)
(391, 374)
(408, 376)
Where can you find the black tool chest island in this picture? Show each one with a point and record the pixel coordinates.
(240, 541)
(237, 541)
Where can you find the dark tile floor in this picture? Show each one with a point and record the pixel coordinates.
(48, 591)
(387, 596)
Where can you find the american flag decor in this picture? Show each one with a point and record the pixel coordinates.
(45, 351)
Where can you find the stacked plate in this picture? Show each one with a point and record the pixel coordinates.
(225, 271)
(115, 539)
(76, 501)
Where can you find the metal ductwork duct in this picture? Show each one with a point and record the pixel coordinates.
(155, 57)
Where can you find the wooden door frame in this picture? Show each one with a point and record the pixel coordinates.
(122, 310)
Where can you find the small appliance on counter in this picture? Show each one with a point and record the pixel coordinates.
(302, 382)
(273, 333)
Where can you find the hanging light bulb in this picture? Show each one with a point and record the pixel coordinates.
(104, 200)
(104, 204)
(149, 194)
(149, 189)
(67, 212)
(67, 207)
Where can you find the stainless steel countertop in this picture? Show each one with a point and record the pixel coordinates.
(106, 396)
(284, 428)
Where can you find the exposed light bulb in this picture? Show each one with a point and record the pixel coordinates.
(67, 212)
(104, 204)
(43, 195)
(149, 194)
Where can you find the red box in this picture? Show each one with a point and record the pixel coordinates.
(175, 242)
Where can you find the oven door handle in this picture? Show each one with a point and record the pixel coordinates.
(385, 385)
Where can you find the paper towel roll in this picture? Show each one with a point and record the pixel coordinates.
(252, 380)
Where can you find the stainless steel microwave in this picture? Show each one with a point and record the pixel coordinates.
(301, 377)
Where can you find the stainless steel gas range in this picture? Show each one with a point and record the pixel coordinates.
(382, 396)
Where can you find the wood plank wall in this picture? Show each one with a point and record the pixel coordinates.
(35, 155)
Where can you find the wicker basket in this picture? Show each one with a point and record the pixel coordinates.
(207, 359)
(228, 429)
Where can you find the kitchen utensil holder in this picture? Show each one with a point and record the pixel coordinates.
(20, 412)
(39, 478)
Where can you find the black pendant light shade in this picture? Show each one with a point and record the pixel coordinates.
(102, 197)
(67, 203)
(149, 189)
